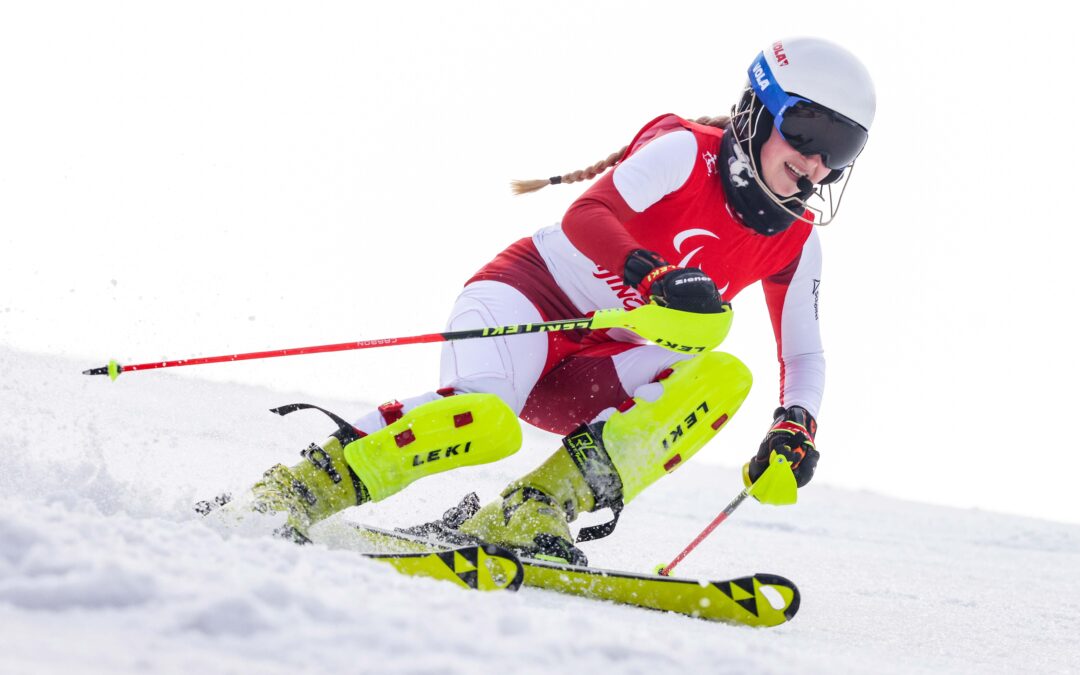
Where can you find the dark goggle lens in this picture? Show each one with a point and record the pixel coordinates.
(813, 130)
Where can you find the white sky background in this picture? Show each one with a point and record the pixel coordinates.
(203, 178)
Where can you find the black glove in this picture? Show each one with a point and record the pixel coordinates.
(791, 435)
(687, 289)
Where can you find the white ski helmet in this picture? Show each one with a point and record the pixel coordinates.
(815, 93)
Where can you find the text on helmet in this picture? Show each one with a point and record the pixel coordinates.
(778, 52)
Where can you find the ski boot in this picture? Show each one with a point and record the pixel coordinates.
(608, 462)
(310, 491)
(287, 501)
(352, 468)
(533, 514)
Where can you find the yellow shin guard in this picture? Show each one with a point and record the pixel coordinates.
(438, 436)
(647, 440)
(642, 441)
(605, 465)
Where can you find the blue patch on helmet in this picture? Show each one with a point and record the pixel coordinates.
(765, 86)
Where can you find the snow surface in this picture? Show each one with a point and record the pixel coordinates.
(104, 568)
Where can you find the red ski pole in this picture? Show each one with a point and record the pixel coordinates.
(775, 486)
(665, 571)
(114, 369)
(680, 331)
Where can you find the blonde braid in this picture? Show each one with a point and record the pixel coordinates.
(520, 187)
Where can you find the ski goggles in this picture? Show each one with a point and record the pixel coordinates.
(809, 127)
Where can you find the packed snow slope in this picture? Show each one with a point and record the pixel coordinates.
(104, 568)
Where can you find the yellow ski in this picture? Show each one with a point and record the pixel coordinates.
(756, 600)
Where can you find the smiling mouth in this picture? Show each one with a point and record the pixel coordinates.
(794, 172)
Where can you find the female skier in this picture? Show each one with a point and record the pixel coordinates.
(692, 213)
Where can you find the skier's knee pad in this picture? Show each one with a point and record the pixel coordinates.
(646, 440)
(437, 436)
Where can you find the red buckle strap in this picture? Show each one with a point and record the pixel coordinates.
(391, 411)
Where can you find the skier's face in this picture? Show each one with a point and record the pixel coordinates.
(782, 165)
